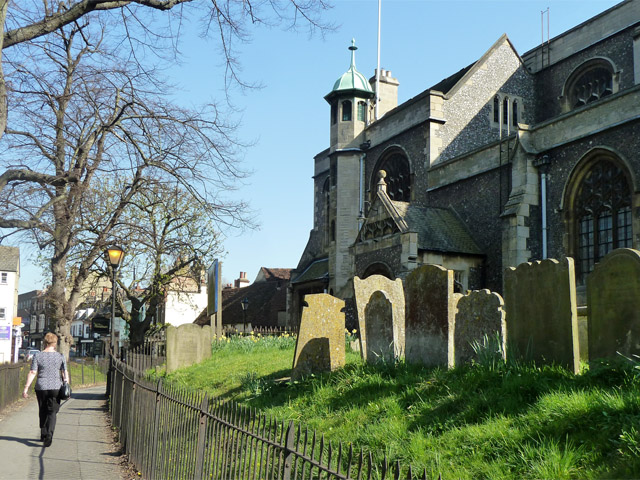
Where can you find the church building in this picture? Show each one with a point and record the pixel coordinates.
(514, 158)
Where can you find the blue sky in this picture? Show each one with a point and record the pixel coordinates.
(423, 41)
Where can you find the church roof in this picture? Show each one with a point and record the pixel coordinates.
(352, 81)
(438, 229)
(317, 270)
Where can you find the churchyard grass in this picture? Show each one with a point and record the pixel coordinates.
(490, 420)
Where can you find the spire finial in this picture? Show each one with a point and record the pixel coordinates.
(353, 49)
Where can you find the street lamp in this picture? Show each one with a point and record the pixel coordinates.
(245, 305)
(115, 259)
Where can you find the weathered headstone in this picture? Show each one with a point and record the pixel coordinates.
(430, 309)
(392, 323)
(542, 318)
(379, 329)
(613, 298)
(187, 344)
(480, 313)
(320, 344)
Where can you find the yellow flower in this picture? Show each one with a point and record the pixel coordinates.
(354, 331)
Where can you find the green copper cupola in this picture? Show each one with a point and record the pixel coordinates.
(350, 105)
(352, 82)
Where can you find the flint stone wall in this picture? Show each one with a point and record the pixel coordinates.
(430, 310)
(320, 343)
(613, 299)
(394, 323)
(542, 319)
(479, 313)
(187, 345)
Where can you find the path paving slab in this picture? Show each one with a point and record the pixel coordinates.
(82, 444)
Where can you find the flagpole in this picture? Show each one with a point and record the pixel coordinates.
(378, 69)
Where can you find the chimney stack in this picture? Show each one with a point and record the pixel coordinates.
(243, 281)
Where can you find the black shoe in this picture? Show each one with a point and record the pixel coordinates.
(42, 437)
(47, 441)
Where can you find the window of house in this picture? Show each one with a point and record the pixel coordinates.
(362, 111)
(3, 278)
(2, 313)
(602, 215)
(346, 111)
(398, 178)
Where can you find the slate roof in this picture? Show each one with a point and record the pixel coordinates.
(438, 229)
(318, 270)
(448, 83)
(9, 259)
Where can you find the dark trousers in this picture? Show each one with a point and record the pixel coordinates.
(48, 406)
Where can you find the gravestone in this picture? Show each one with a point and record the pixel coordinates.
(542, 318)
(379, 329)
(393, 291)
(613, 298)
(480, 313)
(430, 309)
(320, 343)
(187, 345)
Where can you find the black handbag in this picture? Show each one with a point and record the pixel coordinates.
(65, 391)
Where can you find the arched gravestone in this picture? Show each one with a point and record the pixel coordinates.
(479, 313)
(320, 343)
(613, 298)
(394, 293)
(542, 317)
(430, 310)
(380, 345)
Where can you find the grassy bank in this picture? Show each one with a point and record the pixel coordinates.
(483, 421)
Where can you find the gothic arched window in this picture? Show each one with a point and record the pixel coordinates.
(602, 213)
(592, 81)
(398, 177)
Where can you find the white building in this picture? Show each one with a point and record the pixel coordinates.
(9, 278)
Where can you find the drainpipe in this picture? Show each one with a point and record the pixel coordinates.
(542, 163)
(364, 146)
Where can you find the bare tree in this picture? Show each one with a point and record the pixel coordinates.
(168, 238)
(82, 113)
(227, 20)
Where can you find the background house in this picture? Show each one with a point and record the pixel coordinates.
(9, 279)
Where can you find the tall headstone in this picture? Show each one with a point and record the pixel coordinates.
(613, 298)
(430, 309)
(542, 318)
(393, 291)
(320, 344)
(479, 314)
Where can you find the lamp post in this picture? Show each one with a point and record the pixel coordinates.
(115, 259)
(245, 306)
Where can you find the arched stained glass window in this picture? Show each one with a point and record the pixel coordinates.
(603, 215)
(496, 109)
(398, 177)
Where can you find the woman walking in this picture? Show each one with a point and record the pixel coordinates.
(51, 368)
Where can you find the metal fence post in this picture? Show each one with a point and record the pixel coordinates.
(156, 427)
(202, 437)
(288, 451)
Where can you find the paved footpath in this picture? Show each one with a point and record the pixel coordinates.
(82, 444)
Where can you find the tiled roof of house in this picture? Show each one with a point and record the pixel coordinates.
(271, 274)
(9, 259)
